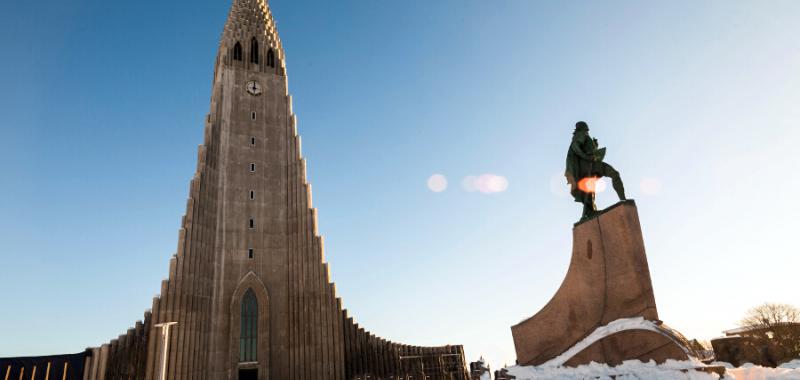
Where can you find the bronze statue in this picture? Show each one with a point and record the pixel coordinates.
(584, 166)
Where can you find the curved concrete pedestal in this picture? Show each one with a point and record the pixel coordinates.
(608, 279)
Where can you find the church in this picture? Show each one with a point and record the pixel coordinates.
(248, 295)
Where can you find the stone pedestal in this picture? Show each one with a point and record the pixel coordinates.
(608, 279)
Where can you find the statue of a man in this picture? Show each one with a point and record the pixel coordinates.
(584, 166)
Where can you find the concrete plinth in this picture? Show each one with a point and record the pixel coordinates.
(608, 279)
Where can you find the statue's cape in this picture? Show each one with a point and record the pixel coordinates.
(573, 174)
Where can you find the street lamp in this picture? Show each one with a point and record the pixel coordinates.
(164, 347)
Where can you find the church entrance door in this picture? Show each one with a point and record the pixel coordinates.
(248, 374)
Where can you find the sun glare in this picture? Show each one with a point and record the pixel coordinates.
(592, 185)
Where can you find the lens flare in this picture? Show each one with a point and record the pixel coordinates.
(437, 183)
(601, 185)
(497, 184)
(592, 185)
(485, 183)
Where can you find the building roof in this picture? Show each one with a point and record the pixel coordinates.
(742, 329)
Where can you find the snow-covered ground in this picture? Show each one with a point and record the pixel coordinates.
(631, 369)
(635, 369)
(794, 364)
(790, 370)
(672, 369)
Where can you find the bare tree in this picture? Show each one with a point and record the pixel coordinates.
(770, 314)
(774, 329)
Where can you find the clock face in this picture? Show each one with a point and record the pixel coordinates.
(253, 88)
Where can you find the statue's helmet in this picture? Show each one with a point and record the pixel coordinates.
(581, 126)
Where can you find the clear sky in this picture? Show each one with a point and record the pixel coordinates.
(103, 105)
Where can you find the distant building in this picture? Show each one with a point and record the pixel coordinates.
(45, 367)
(754, 344)
(702, 353)
(502, 374)
(479, 370)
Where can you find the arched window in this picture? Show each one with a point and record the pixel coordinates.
(270, 58)
(237, 52)
(254, 51)
(248, 342)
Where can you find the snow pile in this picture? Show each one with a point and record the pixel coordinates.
(794, 364)
(601, 332)
(788, 371)
(671, 370)
(628, 370)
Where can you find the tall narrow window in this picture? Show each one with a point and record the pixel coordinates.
(237, 51)
(253, 115)
(253, 141)
(270, 58)
(254, 51)
(252, 223)
(250, 253)
(252, 195)
(252, 167)
(248, 341)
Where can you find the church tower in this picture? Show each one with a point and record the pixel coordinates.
(249, 287)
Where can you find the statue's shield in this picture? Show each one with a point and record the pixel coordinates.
(600, 154)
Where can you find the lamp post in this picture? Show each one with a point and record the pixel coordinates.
(164, 347)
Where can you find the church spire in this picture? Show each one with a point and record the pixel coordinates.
(249, 287)
(250, 38)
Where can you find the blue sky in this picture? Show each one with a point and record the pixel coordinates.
(103, 105)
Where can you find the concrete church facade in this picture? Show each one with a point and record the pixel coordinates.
(249, 287)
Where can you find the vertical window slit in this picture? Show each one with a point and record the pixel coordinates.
(254, 51)
(270, 58)
(237, 51)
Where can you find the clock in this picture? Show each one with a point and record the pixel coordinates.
(253, 88)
